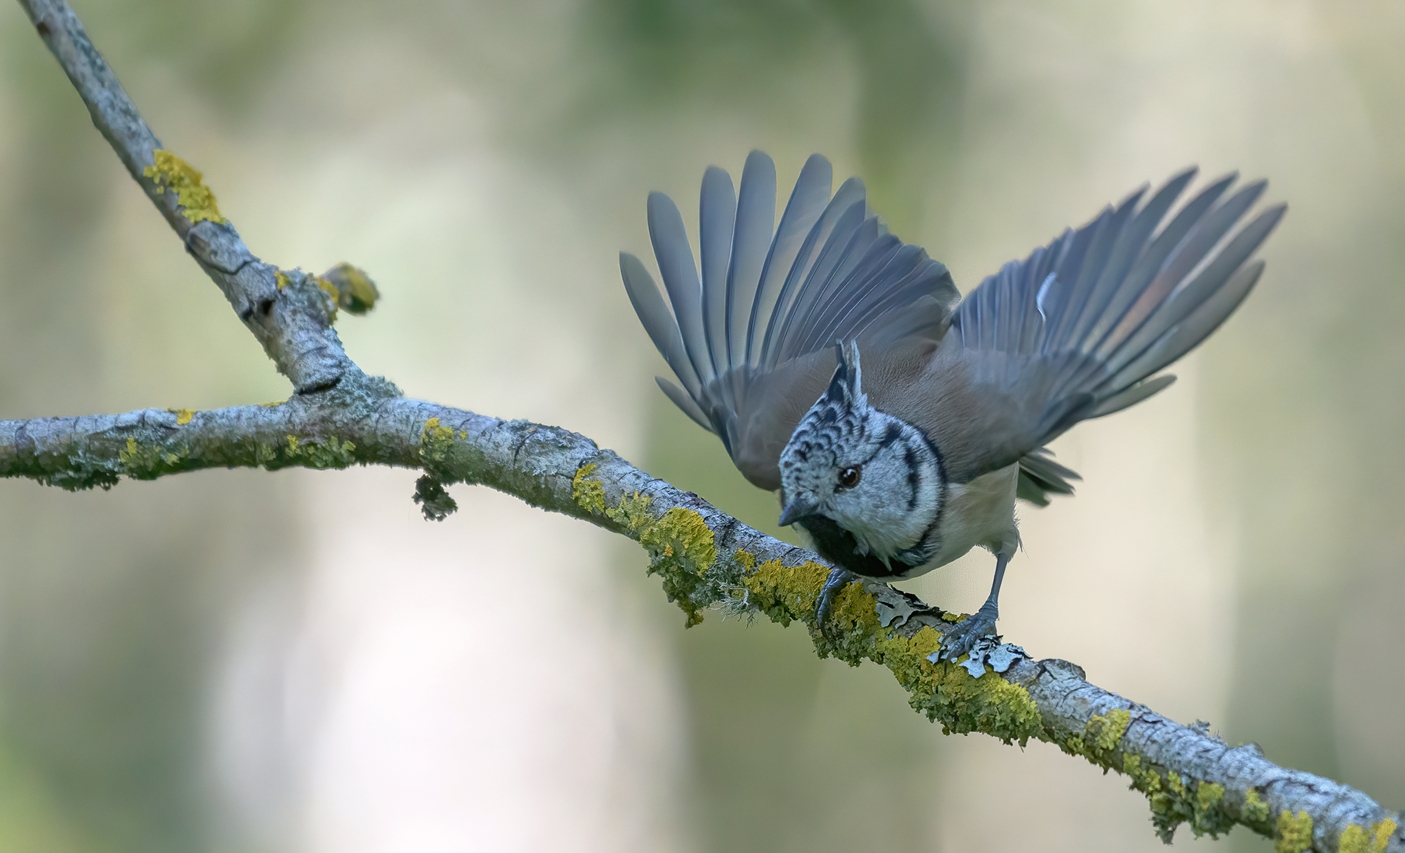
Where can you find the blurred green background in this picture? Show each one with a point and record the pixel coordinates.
(243, 661)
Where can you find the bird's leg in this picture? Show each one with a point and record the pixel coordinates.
(837, 580)
(959, 640)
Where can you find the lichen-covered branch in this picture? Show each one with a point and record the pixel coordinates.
(707, 561)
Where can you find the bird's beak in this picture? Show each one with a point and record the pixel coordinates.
(797, 508)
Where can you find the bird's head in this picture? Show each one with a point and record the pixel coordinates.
(874, 475)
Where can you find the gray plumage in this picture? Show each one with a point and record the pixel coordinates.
(751, 343)
(963, 393)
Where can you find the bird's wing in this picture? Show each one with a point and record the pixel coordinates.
(750, 340)
(1041, 476)
(1078, 329)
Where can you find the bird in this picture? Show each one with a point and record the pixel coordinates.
(898, 421)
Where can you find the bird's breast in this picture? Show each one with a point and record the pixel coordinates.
(979, 513)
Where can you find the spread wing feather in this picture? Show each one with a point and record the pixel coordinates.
(750, 241)
(715, 226)
(1078, 328)
(749, 341)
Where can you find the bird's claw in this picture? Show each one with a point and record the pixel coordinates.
(965, 634)
(824, 604)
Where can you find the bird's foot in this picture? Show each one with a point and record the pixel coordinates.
(824, 604)
(964, 636)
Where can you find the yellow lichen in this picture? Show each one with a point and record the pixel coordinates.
(282, 279)
(633, 512)
(786, 592)
(1100, 737)
(681, 549)
(183, 416)
(144, 462)
(1175, 783)
(127, 455)
(431, 425)
(321, 453)
(1209, 814)
(1255, 808)
(1148, 781)
(681, 546)
(185, 181)
(680, 533)
(1383, 831)
(1172, 800)
(332, 293)
(1354, 839)
(1294, 833)
(436, 443)
(947, 693)
(854, 609)
(586, 492)
(1103, 733)
(1359, 839)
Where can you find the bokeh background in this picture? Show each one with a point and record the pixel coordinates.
(245, 661)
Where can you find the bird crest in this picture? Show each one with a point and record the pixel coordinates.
(846, 386)
(835, 420)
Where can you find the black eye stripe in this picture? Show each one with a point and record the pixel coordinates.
(914, 479)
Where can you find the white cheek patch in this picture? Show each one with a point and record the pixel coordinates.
(895, 505)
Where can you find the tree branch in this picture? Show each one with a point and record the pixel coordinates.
(340, 417)
(294, 330)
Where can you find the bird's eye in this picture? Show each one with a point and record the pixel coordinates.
(849, 478)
